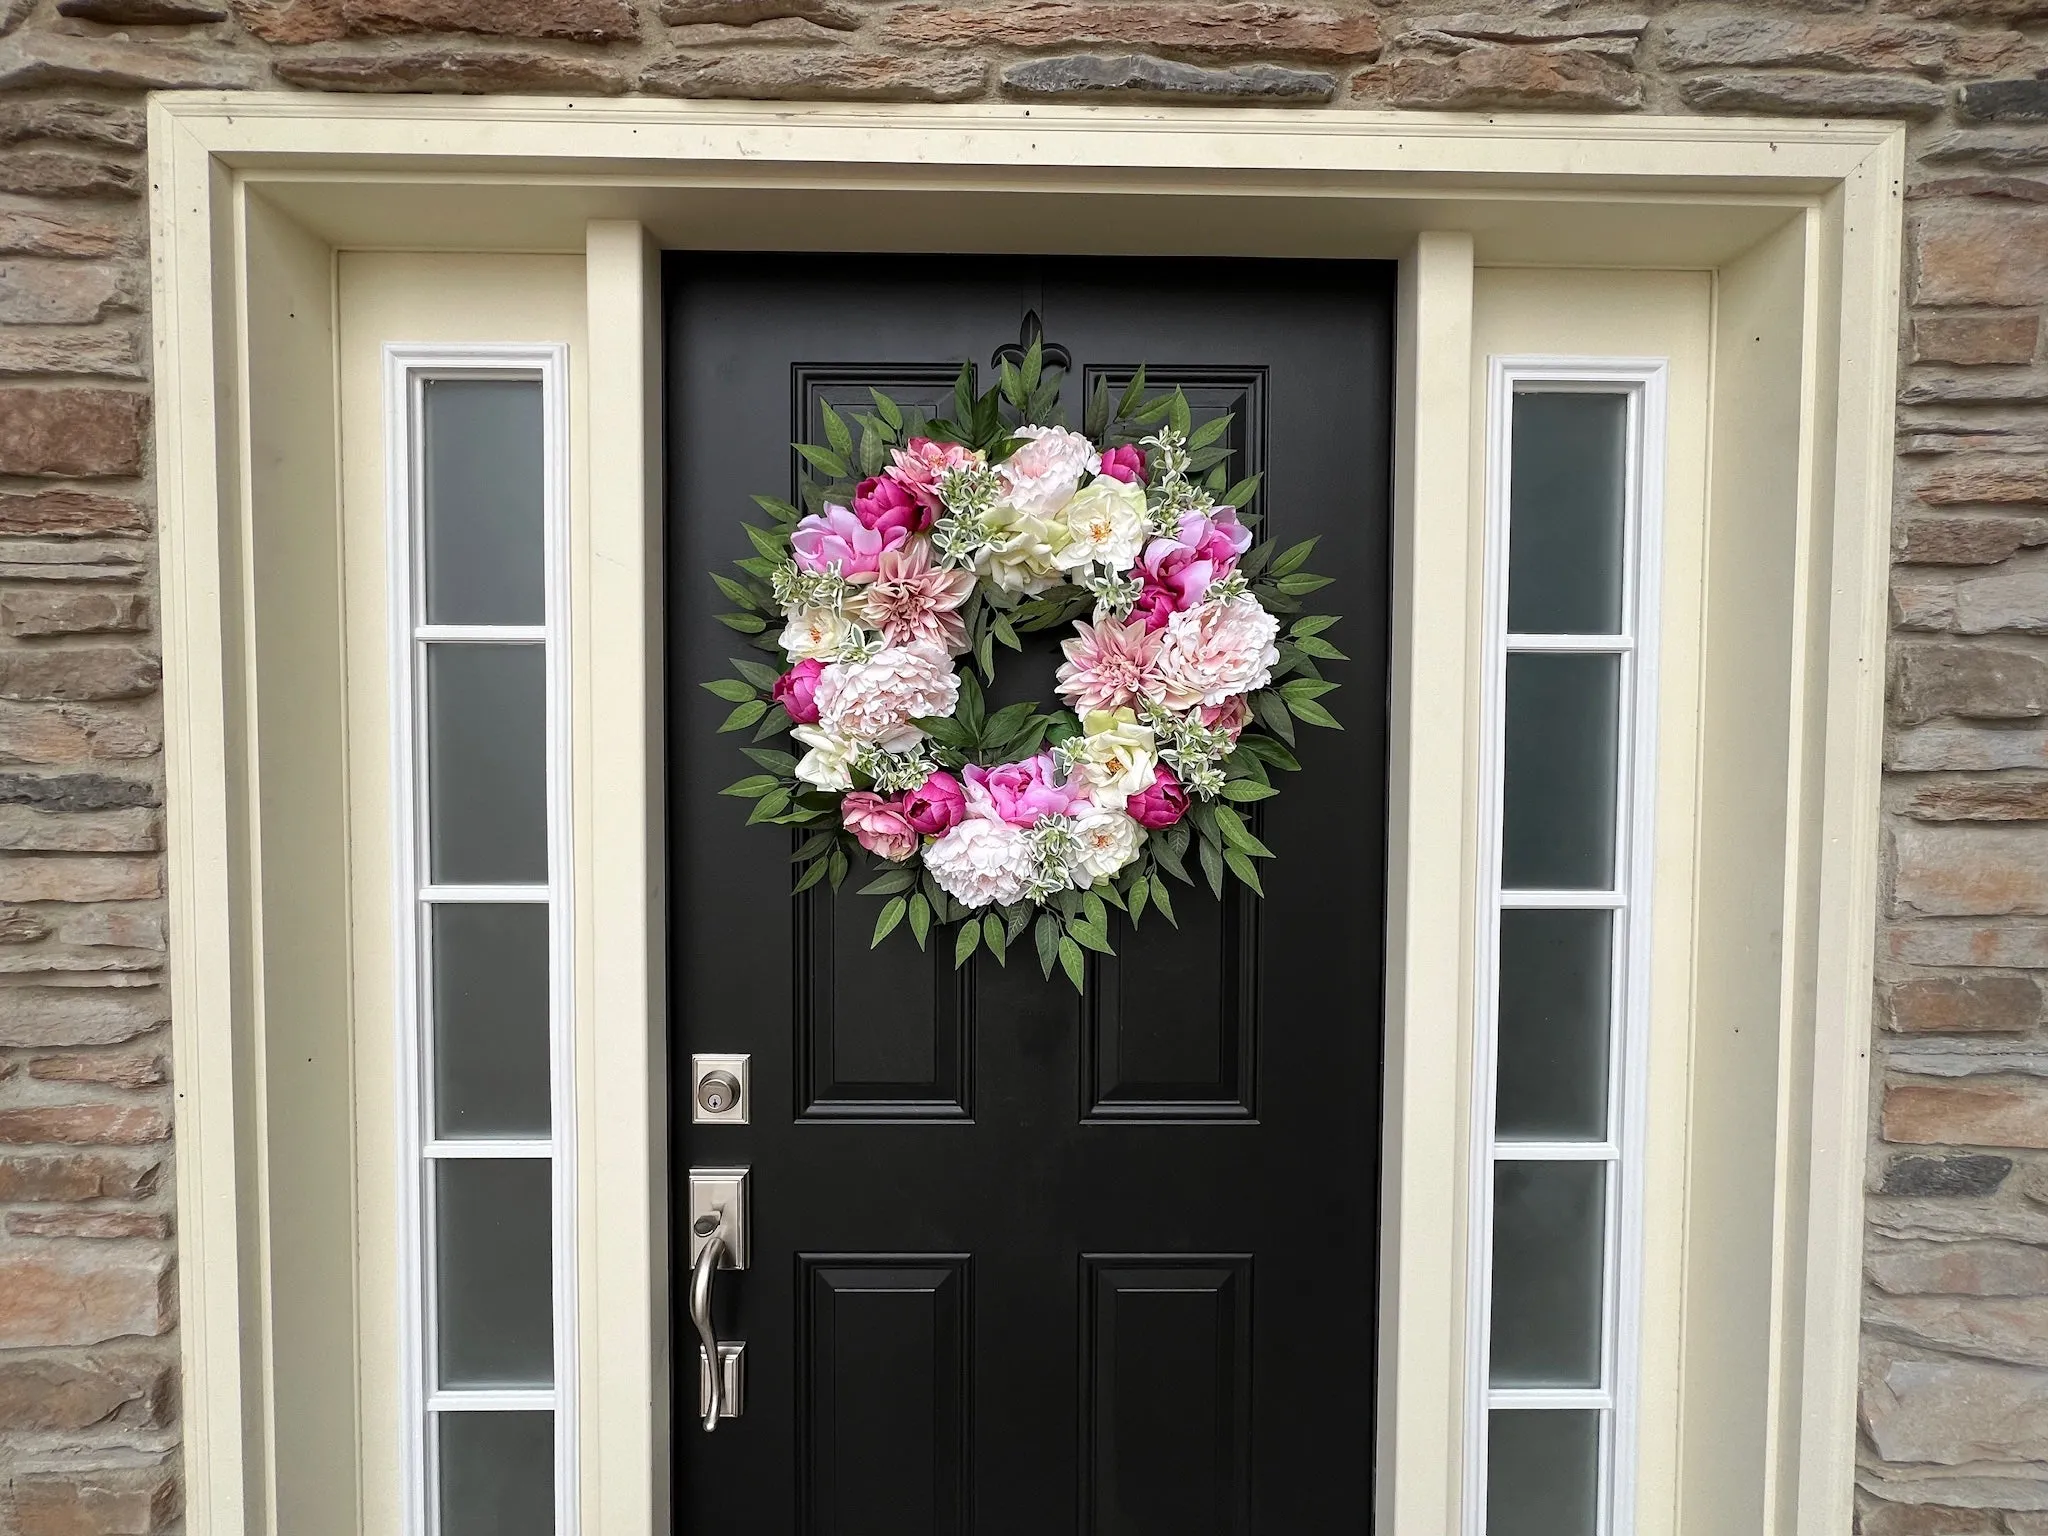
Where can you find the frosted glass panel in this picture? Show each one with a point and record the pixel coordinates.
(1543, 1473)
(1548, 1242)
(1557, 829)
(1555, 981)
(491, 1019)
(487, 814)
(481, 472)
(494, 1280)
(1565, 501)
(497, 1474)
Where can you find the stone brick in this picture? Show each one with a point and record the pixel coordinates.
(113, 1069)
(816, 75)
(108, 351)
(836, 14)
(2003, 149)
(24, 829)
(1967, 1173)
(47, 292)
(1878, 1519)
(72, 121)
(88, 1224)
(317, 21)
(28, 615)
(1970, 871)
(1981, 800)
(783, 29)
(1959, 1269)
(2005, 944)
(1965, 540)
(1972, 682)
(142, 13)
(73, 1176)
(1976, 340)
(452, 71)
(67, 173)
(76, 791)
(294, 21)
(79, 675)
(1954, 1412)
(45, 735)
(2024, 189)
(28, 230)
(105, 1125)
(1976, 388)
(1974, 10)
(104, 1502)
(79, 877)
(1251, 27)
(70, 560)
(1837, 45)
(2004, 101)
(2009, 1329)
(84, 1300)
(128, 924)
(1952, 1005)
(1971, 1114)
(18, 925)
(1495, 75)
(1970, 254)
(77, 430)
(2014, 602)
(80, 514)
(1544, 24)
(1931, 748)
(1805, 93)
(114, 63)
(1140, 77)
(59, 1395)
(2001, 480)
(100, 960)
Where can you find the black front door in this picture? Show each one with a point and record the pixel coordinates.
(1025, 1263)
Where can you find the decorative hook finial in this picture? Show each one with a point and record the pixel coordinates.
(1050, 353)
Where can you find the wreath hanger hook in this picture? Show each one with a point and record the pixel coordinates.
(1050, 353)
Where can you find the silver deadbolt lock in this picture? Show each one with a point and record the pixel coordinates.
(718, 1090)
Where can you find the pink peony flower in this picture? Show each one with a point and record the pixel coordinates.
(983, 863)
(1043, 474)
(912, 603)
(877, 701)
(796, 691)
(1178, 571)
(1159, 804)
(936, 806)
(1109, 665)
(878, 825)
(882, 504)
(1216, 650)
(920, 463)
(1126, 463)
(1020, 793)
(1231, 716)
(839, 538)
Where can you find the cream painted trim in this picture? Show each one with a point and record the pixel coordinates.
(532, 174)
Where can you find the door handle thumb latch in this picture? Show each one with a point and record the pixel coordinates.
(718, 1240)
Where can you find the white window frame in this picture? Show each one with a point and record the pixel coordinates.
(1643, 381)
(408, 367)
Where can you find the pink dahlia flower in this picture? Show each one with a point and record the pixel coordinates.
(878, 825)
(1109, 665)
(936, 806)
(795, 691)
(1178, 571)
(919, 464)
(1159, 804)
(1020, 793)
(912, 603)
(1126, 463)
(839, 538)
(882, 504)
(1216, 650)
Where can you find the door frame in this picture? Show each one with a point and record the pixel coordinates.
(252, 195)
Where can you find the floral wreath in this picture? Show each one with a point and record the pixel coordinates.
(925, 544)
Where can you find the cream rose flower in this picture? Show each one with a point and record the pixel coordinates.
(1105, 525)
(1024, 554)
(875, 701)
(829, 762)
(1215, 650)
(1042, 474)
(983, 862)
(1114, 757)
(817, 634)
(1104, 842)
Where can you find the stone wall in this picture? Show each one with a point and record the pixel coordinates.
(1955, 1402)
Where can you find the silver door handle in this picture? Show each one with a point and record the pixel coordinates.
(701, 1275)
(718, 1240)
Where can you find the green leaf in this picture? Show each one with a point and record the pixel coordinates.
(836, 432)
(753, 788)
(813, 845)
(729, 688)
(1302, 582)
(889, 882)
(1306, 688)
(1141, 892)
(1212, 866)
(1209, 431)
(1093, 935)
(1294, 557)
(1046, 932)
(1246, 790)
(772, 546)
(839, 867)
(1034, 362)
(759, 568)
(969, 710)
(1133, 393)
(1167, 857)
(1241, 494)
(826, 460)
(886, 920)
(1244, 869)
(745, 623)
(1267, 750)
(1164, 902)
(1314, 624)
(1238, 834)
(811, 875)
(944, 730)
(1006, 632)
(1314, 714)
(1095, 420)
(995, 938)
(967, 943)
(1311, 645)
(773, 723)
(888, 409)
(756, 673)
(744, 715)
(770, 805)
(870, 449)
(1073, 962)
(1011, 383)
(1098, 914)
(781, 511)
(1177, 414)
(1272, 713)
(920, 918)
(985, 653)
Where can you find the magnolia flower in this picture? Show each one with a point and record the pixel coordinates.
(1023, 553)
(910, 602)
(1105, 525)
(874, 702)
(1114, 757)
(817, 634)
(878, 825)
(1104, 842)
(919, 464)
(837, 537)
(1040, 476)
(1219, 649)
(1109, 665)
(829, 763)
(983, 863)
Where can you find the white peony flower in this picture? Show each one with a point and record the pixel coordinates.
(875, 701)
(816, 633)
(1114, 757)
(1218, 649)
(983, 862)
(1105, 525)
(1047, 470)
(829, 763)
(1023, 555)
(1105, 841)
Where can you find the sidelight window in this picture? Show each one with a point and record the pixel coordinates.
(486, 1177)
(1573, 475)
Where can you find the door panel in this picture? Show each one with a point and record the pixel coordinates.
(1025, 1262)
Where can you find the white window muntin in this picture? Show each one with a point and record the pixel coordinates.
(1642, 384)
(408, 369)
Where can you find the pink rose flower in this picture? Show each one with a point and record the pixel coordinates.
(1161, 803)
(878, 825)
(1178, 571)
(796, 691)
(882, 504)
(919, 464)
(1230, 717)
(1126, 463)
(1109, 665)
(912, 603)
(1216, 650)
(839, 538)
(936, 806)
(1020, 793)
